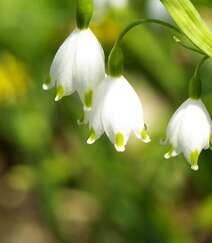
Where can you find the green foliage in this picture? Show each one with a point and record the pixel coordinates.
(188, 19)
(90, 193)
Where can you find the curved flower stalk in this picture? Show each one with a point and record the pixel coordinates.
(189, 131)
(79, 65)
(118, 112)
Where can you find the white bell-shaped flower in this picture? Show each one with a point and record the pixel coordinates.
(117, 111)
(189, 131)
(79, 65)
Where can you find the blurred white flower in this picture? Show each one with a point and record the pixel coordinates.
(117, 111)
(110, 3)
(79, 65)
(189, 131)
(155, 9)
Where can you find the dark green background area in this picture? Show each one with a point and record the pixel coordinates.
(56, 188)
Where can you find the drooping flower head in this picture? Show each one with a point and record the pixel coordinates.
(117, 109)
(79, 64)
(189, 131)
(118, 112)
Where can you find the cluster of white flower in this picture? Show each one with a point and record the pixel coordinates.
(111, 105)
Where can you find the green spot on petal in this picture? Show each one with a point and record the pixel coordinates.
(81, 120)
(92, 136)
(194, 160)
(88, 99)
(120, 146)
(60, 93)
(170, 152)
(144, 135)
(46, 83)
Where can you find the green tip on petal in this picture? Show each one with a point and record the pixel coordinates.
(171, 153)
(60, 93)
(88, 100)
(144, 136)
(119, 145)
(92, 136)
(46, 84)
(194, 160)
(81, 121)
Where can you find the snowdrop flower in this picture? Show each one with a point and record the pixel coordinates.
(117, 111)
(79, 64)
(189, 131)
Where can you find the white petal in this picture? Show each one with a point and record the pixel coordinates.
(89, 63)
(137, 116)
(118, 112)
(195, 128)
(94, 116)
(172, 134)
(61, 71)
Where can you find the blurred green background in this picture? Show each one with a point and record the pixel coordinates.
(53, 186)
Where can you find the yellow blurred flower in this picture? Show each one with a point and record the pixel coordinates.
(107, 32)
(13, 79)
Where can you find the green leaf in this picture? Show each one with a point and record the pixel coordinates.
(190, 22)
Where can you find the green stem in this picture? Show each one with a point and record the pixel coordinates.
(84, 13)
(195, 86)
(115, 60)
(197, 70)
(145, 21)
